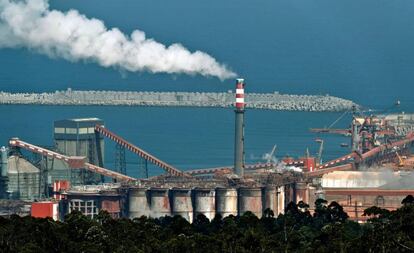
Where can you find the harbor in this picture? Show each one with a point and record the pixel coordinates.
(73, 174)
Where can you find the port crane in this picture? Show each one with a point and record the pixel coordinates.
(269, 156)
(400, 159)
(367, 127)
(321, 142)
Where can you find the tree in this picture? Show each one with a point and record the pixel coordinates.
(268, 213)
(409, 200)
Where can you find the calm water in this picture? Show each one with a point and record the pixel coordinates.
(360, 50)
(184, 137)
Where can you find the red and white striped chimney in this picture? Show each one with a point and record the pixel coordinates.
(239, 130)
(240, 94)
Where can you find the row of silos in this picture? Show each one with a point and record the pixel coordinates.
(159, 202)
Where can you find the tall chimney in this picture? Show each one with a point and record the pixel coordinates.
(239, 129)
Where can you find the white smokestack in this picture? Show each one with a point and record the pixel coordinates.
(74, 37)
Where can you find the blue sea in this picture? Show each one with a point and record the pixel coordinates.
(359, 50)
(184, 137)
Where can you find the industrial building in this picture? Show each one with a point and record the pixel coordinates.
(76, 137)
(74, 168)
(359, 190)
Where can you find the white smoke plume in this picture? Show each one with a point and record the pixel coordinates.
(74, 37)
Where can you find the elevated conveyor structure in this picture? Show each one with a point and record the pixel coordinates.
(74, 162)
(321, 172)
(140, 152)
(354, 156)
(247, 167)
(393, 146)
(346, 162)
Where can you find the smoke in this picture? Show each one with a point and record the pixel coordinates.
(74, 37)
(280, 166)
(293, 168)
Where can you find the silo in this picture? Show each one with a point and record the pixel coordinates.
(250, 199)
(181, 203)
(160, 202)
(138, 203)
(4, 173)
(204, 202)
(280, 200)
(226, 201)
(270, 199)
(24, 179)
(4, 157)
(312, 196)
(301, 191)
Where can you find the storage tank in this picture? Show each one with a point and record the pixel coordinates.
(160, 203)
(138, 203)
(181, 203)
(204, 202)
(312, 196)
(270, 199)
(280, 200)
(4, 169)
(226, 201)
(301, 192)
(24, 179)
(290, 195)
(250, 199)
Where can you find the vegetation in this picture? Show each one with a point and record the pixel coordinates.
(326, 230)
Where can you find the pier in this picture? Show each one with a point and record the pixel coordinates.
(270, 101)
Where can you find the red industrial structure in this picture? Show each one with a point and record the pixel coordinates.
(45, 209)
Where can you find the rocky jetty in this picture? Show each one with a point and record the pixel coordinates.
(271, 101)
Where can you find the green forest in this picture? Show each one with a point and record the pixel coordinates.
(328, 229)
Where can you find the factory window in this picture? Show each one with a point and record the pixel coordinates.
(86, 207)
(83, 130)
(71, 131)
(59, 130)
(379, 201)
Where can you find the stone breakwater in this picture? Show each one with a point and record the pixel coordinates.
(270, 101)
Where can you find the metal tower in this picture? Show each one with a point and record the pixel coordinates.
(120, 159)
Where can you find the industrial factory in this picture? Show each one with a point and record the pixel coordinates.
(71, 175)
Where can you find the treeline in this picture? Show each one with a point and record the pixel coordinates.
(328, 229)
